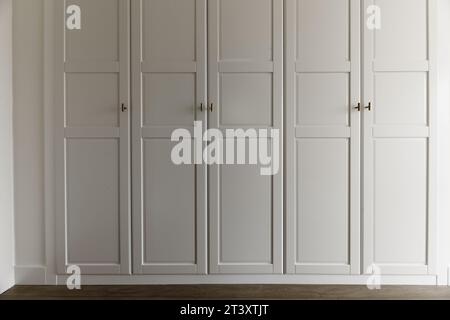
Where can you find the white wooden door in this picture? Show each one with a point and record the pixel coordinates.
(245, 91)
(169, 88)
(323, 136)
(92, 138)
(399, 218)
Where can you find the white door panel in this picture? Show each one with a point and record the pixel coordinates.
(170, 31)
(322, 31)
(98, 38)
(245, 29)
(398, 39)
(169, 76)
(400, 188)
(398, 144)
(401, 99)
(322, 131)
(88, 217)
(246, 217)
(93, 205)
(246, 99)
(317, 175)
(317, 109)
(168, 223)
(92, 100)
(245, 90)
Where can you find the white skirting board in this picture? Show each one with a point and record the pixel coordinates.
(244, 279)
(31, 275)
(39, 275)
(250, 279)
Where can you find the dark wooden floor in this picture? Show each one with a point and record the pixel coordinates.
(228, 292)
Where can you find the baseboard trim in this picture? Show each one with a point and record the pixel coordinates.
(250, 279)
(30, 275)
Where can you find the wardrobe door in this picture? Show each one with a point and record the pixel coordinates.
(169, 87)
(245, 92)
(323, 136)
(92, 134)
(399, 85)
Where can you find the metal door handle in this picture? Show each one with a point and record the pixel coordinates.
(369, 107)
(201, 107)
(358, 107)
(211, 107)
(124, 108)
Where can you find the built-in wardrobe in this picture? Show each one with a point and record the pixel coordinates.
(349, 84)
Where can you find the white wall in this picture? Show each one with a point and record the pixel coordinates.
(443, 196)
(6, 149)
(29, 130)
(29, 140)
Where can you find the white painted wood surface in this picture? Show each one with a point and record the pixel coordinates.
(245, 87)
(350, 202)
(92, 139)
(399, 155)
(322, 90)
(169, 86)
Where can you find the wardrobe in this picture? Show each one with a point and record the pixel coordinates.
(354, 105)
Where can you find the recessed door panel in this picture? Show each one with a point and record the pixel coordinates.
(245, 217)
(400, 201)
(92, 100)
(246, 99)
(245, 29)
(161, 107)
(403, 34)
(97, 40)
(323, 204)
(93, 206)
(328, 18)
(401, 98)
(317, 109)
(170, 209)
(169, 30)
